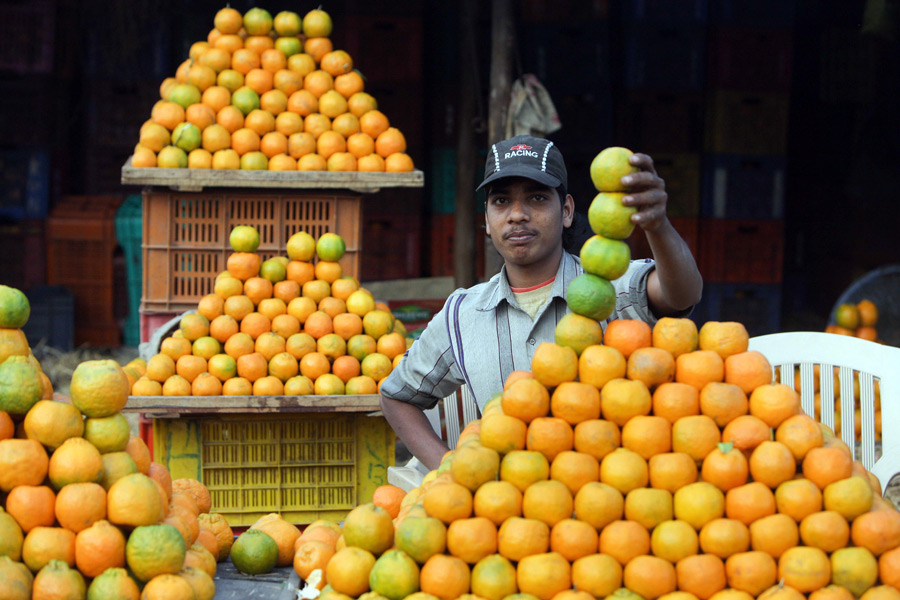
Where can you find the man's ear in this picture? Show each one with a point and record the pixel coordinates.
(487, 225)
(568, 210)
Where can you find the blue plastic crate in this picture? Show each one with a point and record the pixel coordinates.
(743, 186)
(24, 184)
(52, 319)
(757, 306)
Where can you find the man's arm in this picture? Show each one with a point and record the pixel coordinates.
(675, 285)
(413, 428)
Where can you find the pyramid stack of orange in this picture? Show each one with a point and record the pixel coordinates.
(662, 463)
(83, 500)
(264, 93)
(285, 326)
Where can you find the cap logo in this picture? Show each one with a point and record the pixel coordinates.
(520, 147)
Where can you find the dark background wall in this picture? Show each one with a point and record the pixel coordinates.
(774, 123)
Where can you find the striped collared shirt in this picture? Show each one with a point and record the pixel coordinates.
(481, 335)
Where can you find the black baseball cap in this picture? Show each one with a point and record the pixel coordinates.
(526, 156)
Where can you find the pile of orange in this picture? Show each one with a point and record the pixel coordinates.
(291, 325)
(264, 93)
(86, 511)
(663, 463)
(857, 319)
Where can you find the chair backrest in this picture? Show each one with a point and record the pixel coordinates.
(854, 359)
(449, 416)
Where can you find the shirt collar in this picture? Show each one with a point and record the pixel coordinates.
(497, 289)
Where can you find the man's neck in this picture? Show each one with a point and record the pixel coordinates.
(526, 276)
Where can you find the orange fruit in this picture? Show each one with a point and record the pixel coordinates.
(673, 540)
(674, 400)
(624, 540)
(543, 575)
(678, 336)
(622, 399)
(724, 537)
(624, 470)
(596, 437)
(389, 141)
(774, 534)
(723, 337)
(627, 335)
(446, 577)
(653, 366)
(699, 367)
(373, 123)
(748, 370)
(647, 435)
(650, 576)
(671, 470)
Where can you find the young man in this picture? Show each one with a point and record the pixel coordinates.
(486, 332)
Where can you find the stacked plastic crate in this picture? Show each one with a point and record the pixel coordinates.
(741, 245)
(26, 136)
(662, 103)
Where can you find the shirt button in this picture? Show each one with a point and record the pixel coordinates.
(531, 341)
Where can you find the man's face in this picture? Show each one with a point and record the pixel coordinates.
(525, 220)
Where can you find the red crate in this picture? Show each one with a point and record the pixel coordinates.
(442, 243)
(393, 246)
(151, 321)
(145, 428)
(750, 59)
(686, 227)
(81, 244)
(741, 251)
(185, 238)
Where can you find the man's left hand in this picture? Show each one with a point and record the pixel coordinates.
(646, 192)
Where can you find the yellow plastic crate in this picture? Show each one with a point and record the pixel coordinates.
(305, 466)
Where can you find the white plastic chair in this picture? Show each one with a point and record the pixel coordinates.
(448, 418)
(853, 357)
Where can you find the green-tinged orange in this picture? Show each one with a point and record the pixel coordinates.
(99, 388)
(21, 386)
(254, 552)
(395, 575)
(609, 217)
(577, 332)
(591, 296)
(605, 257)
(608, 168)
(154, 550)
(14, 308)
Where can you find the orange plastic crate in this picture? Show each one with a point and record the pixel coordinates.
(185, 238)
(80, 244)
